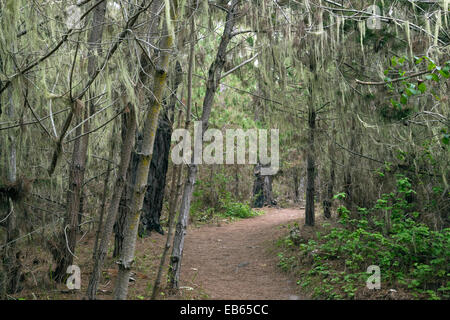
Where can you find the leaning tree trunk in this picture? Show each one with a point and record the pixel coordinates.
(145, 156)
(127, 147)
(175, 190)
(212, 83)
(156, 182)
(147, 68)
(177, 171)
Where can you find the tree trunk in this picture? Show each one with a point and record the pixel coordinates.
(127, 147)
(105, 190)
(214, 74)
(348, 188)
(76, 178)
(153, 201)
(296, 185)
(125, 199)
(262, 189)
(94, 40)
(330, 186)
(12, 267)
(67, 239)
(145, 157)
(175, 191)
(309, 209)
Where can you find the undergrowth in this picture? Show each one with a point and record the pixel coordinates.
(412, 258)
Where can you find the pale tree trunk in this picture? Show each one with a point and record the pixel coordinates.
(145, 156)
(214, 75)
(147, 68)
(174, 192)
(174, 197)
(127, 147)
(154, 197)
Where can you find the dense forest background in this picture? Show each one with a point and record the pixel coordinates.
(91, 91)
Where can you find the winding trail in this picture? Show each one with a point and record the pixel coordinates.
(232, 261)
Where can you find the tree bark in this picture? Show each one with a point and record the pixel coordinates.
(145, 157)
(12, 266)
(94, 40)
(262, 189)
(309, 209)
(65, 252)
(154, 197)
(127, 147)
(214, 74)
(175, 191)
(330, 186)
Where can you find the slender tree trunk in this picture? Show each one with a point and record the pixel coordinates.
(154, 197)
(214, 74)
(127, 147)
(105, 191)
(94, 40)
(180, 168)
(309, 209)
(296, 185)
(67, 240)
(147, 68)
(76, 178)
(11, 263)
(348, 188)
(145, 157)
(236, 182)
(125, 199)
(174, 192)
(330, 186)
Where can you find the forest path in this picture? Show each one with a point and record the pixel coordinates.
(232, 261)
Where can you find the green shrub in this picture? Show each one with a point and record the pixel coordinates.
(391, 236)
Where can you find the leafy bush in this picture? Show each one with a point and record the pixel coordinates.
(238, 210)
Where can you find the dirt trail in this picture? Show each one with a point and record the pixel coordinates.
(231, 261)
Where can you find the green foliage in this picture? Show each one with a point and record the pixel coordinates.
(211, 198)
(389, 235)
(237, 210)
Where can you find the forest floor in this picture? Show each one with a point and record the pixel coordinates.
(222, 260)
(236, 260)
